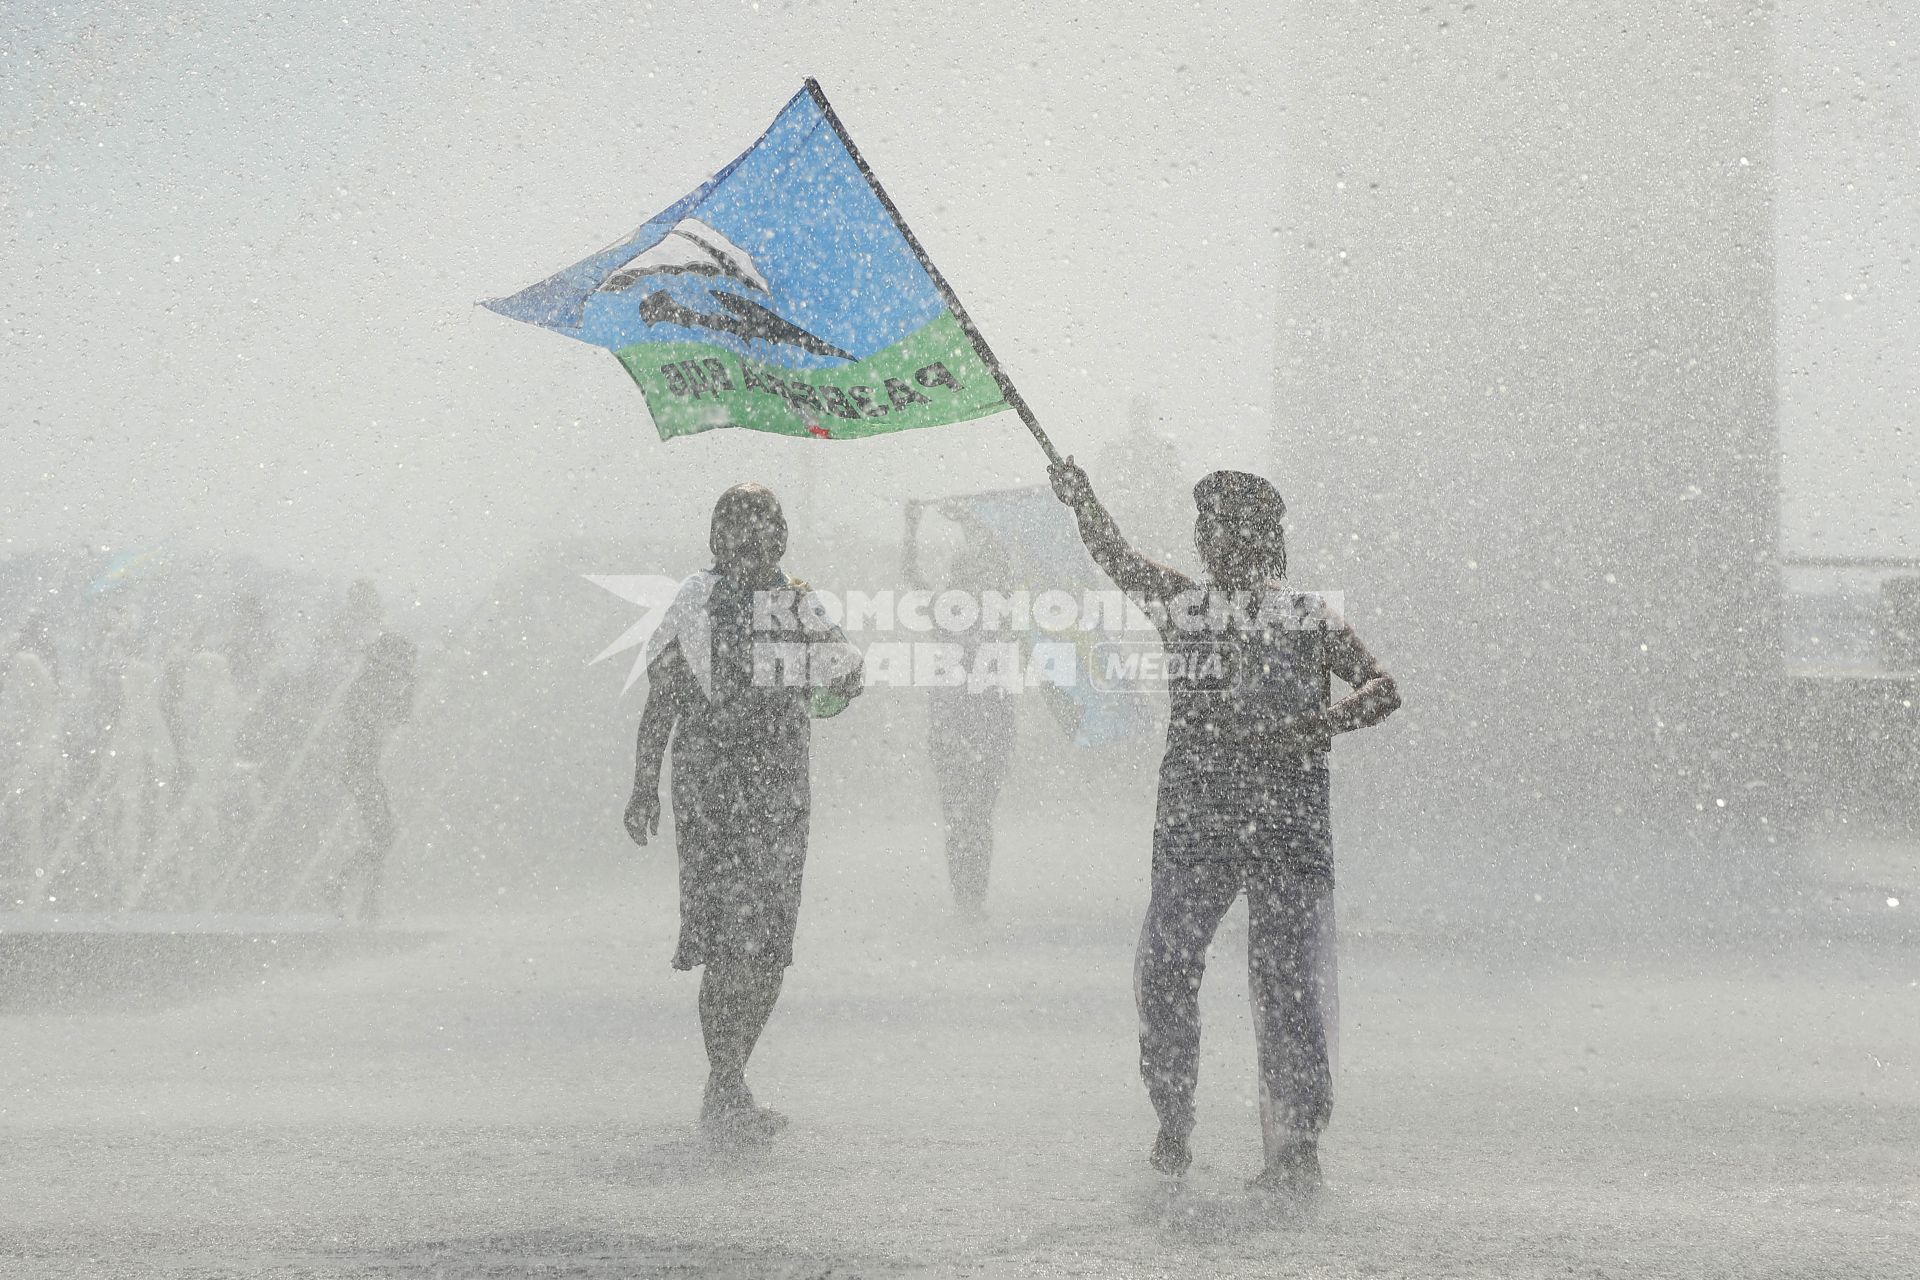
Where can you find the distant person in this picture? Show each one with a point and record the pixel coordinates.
(175, 711)
(741, 792)
(292, 800)
(204, 712)
(1243, 806)
(85, 861)
(378, 701)
(30, 757)
(132, 799)
(36, 638)
(98, 693)
(361, 618)
(250, 647)
(297, 700)
(970, 731)
(250, 650)
(29, 688)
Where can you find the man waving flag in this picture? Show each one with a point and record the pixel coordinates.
(785, 294)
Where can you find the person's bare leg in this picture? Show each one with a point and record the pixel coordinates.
(736, 1000)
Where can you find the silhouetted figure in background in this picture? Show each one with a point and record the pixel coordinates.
(36, 638)
(133, 791)
(204, 713)
(249, 647)
(84, 859)
(30, 756)
(377, 702)
(90, 727)
(290, 747)
(252, 652)
(1243, 805)
(30, 688)
(741, 793)
(970, 731)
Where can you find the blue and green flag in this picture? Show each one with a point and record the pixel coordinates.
(785, 294)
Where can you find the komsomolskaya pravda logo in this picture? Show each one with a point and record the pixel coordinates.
(1090, 634)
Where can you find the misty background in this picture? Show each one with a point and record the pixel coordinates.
(1558, 330)
(1578, 339)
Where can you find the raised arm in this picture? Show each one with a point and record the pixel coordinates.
(1132, 572)
(1374, 696)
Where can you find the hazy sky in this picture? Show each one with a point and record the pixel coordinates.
(1847, 130)
(245, 247)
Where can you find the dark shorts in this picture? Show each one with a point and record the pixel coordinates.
(739, 889)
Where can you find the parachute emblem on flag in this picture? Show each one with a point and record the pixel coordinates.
(694, 248)
(785, 294)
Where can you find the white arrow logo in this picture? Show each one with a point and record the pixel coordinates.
(654, 594)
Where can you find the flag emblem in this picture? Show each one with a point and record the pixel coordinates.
(784, 294)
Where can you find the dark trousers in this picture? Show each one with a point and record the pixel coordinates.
(1287, 962)
(971, 739)
(369, 794)
(966, 805)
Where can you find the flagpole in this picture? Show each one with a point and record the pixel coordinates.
(1012, 396)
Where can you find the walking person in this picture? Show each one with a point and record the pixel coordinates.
(970, 726)
(1242, 806)
(30, 757)
(722, 689)
(378, 701)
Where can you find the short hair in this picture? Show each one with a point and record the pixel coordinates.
(1245, 499)
(1239, 495)
(743, 516)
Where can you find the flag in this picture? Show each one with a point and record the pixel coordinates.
(1042, 549)
(123, 567)
(785, 294)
